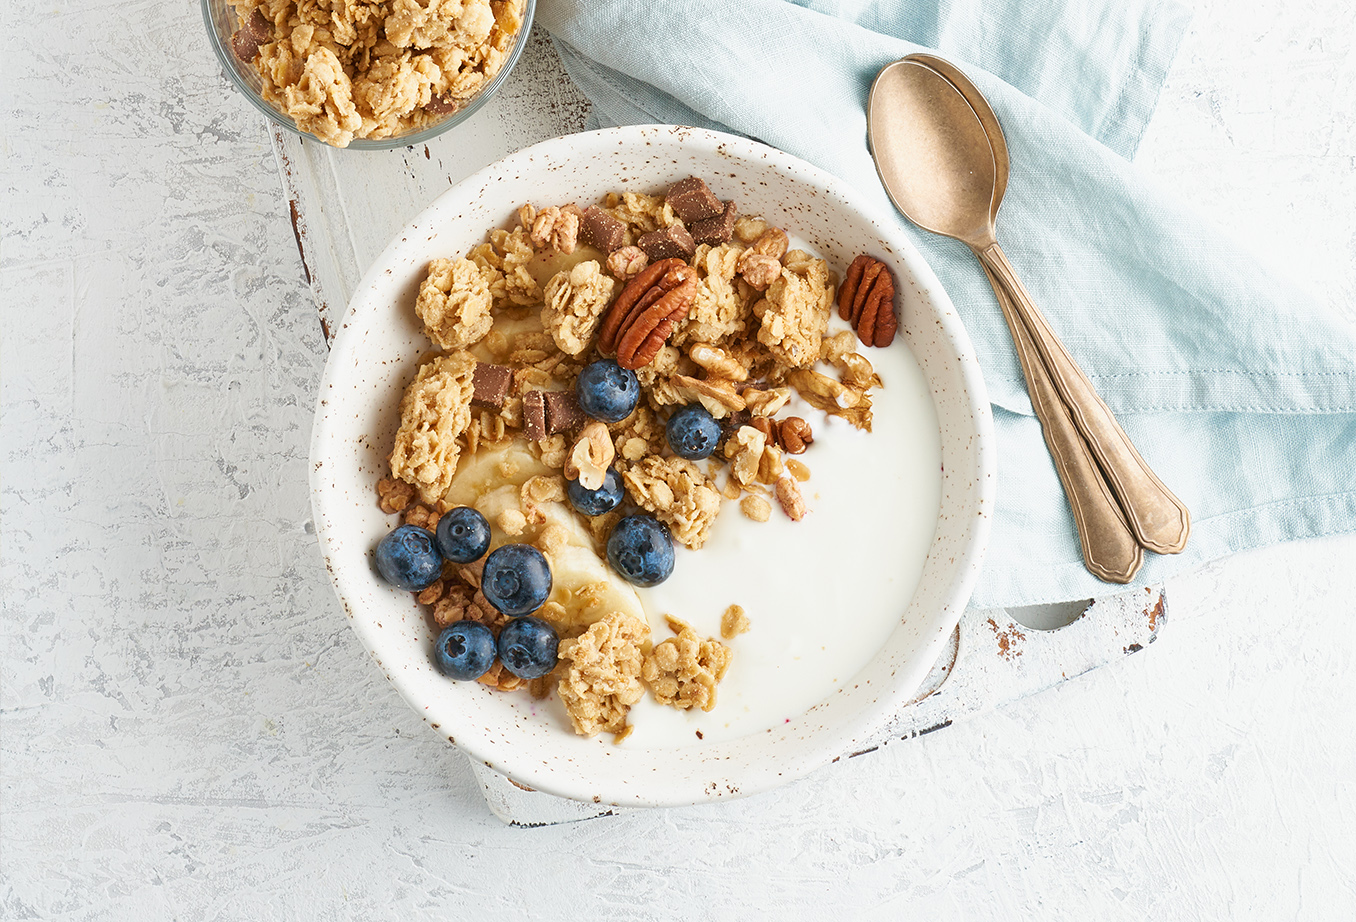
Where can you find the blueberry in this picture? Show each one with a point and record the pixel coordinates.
(527, 647)
(596, 502)
(641, 550)
(464, 650)
(409, 558)
(463, 535)
(517, 579)
(607, 391)
(692, 432)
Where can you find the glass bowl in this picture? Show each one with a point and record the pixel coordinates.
(222, 22)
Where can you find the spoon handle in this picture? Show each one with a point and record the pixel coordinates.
(1159, 520)
(1110, 550)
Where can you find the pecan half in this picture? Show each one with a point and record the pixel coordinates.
(866, 300)
(645, 313)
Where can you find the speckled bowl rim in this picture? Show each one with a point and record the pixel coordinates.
(247, 82)
(502, 734)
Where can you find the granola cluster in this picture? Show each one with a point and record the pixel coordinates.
(434, 414)
(373, 68)
(710, 308)
(683, 671)
(454, 303)
(601, 673)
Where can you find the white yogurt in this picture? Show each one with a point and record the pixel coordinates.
(823, 594)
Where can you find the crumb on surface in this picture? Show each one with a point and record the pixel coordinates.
(755, 507)
(734, 622)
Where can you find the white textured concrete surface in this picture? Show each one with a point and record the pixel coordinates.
(188, 730)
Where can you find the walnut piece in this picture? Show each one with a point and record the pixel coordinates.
(555, 230)
(855, 368)
(575, 302)
(683, 671)
(591, 456)
(833, 397)
(719, 397)
(717, 362)
(454, 303)
(752, 458)
(627, 262)
(435, 410)
(393, 495)
(760, 265)
(767, 402)
(601, 674)
(678, 494)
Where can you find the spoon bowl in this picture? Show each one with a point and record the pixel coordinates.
(941, 171)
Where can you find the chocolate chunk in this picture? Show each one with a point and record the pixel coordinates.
(441, 105)
(255, 32)
(562, 412)
(672, 241)
(599, 229)
(534, 416)
(491, 385)
(259, 28)
(692, 200)
(244, 47)
(717, 230)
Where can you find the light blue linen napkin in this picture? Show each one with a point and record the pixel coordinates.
(1238, 390)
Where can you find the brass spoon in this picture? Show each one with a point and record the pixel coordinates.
(1110, 550)
(946, 174)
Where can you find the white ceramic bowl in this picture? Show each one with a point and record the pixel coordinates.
(375, 354)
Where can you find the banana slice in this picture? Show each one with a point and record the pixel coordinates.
(511, 465)
(581, 581)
